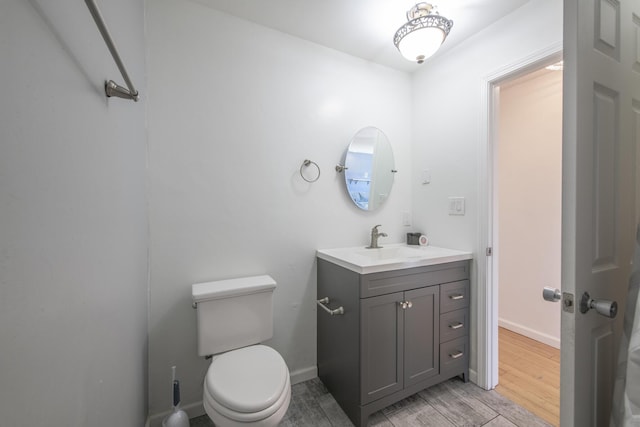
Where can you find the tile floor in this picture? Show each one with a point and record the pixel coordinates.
(450, 404)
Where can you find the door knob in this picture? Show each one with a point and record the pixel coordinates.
(605, 307)
(551, 294)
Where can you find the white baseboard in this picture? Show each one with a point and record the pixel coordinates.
(196, 409)
(531, 333)
(302, 375)
(473, 376)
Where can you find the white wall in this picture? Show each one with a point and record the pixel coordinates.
(447, 112)
(529, 184)
(234, 109)
(73, 222)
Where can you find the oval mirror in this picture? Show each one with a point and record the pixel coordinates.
(369, 168)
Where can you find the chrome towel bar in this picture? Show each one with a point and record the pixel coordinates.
(321, 302)
(111, 88)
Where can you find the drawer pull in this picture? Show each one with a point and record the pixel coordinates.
(457, 355)
(457, 325)
(321, 302)
(456, 296)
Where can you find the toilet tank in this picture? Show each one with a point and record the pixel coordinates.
(233, 313)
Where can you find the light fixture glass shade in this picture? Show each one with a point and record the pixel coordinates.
(420, 44)
(423, 34)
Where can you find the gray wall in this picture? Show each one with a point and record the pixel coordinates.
(73, 220)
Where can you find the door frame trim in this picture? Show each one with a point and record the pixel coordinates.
(487, 308)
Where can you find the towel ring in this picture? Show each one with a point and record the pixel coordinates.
(308, 163)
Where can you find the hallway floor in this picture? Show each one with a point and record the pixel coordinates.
(529, 374)
(450, 404)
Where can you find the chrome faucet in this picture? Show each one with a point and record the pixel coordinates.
(374, 237)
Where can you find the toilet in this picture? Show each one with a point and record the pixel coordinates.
(247, 383)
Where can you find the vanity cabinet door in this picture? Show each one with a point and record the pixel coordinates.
(381, 345)
(421, 333)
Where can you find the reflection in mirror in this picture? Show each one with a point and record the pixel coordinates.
(369, 168)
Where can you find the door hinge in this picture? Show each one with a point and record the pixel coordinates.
(489, 251)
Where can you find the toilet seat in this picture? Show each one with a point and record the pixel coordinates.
(247, 385)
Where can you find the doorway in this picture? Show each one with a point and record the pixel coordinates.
(527, 200)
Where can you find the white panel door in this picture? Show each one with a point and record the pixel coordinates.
(600, 121)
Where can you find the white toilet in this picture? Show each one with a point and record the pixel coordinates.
(247, 384)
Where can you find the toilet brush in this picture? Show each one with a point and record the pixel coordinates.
(178, 418)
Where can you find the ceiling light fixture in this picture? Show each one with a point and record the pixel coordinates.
(423, 34)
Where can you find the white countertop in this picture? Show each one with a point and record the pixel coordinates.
(395, 256)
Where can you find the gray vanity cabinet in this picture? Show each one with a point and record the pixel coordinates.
(401, 331)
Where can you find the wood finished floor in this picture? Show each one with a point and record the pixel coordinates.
(529, 374)
(450, 404)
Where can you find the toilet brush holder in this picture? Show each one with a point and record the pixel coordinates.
(177, 418)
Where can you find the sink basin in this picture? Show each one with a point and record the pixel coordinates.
(390, 257)
(383, 253)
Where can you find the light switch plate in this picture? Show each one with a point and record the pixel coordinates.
(425, 176)
(406, 219)
(456, 206)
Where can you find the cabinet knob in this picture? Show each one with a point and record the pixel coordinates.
(405, 304)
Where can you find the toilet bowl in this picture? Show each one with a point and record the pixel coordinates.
(247, 387)
(247, 383)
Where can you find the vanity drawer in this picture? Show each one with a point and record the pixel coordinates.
(453, 325)
(454, 296)
(453, 356)
(387, 282)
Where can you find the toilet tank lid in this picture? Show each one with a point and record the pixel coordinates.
(231, 287)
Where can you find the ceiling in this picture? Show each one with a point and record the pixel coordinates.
(364, 28)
